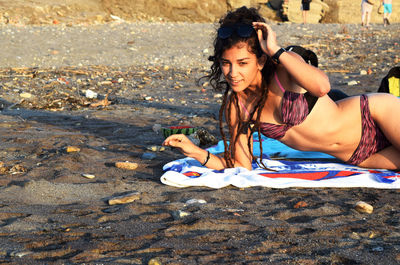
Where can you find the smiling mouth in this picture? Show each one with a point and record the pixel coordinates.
(234, 82)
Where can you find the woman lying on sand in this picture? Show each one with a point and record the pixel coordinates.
(274, 92)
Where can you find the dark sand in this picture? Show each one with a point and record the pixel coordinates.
(51, 214)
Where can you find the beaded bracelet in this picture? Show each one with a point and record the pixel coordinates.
(208, 158)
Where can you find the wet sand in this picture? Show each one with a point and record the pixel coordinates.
(51, 213)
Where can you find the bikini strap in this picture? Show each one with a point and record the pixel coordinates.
(279, 83)
(244, 107)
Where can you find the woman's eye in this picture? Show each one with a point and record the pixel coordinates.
(242, 63)
(224, 63)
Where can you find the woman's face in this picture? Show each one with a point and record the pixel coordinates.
(241, 68)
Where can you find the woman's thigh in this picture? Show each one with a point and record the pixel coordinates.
(385, 111)
(388, 158)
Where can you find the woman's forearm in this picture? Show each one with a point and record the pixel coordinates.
(309, 77)
(213, 162)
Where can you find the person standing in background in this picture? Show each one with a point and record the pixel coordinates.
(387, 11)
(305, 6)
(366, 10)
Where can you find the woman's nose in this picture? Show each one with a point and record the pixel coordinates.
(233, 71)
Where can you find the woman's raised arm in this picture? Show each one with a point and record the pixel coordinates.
(307, 76)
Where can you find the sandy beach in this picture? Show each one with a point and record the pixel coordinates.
(104, 90)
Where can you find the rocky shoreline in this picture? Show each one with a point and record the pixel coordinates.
(55, 200)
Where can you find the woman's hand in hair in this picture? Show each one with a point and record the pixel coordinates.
(266, 37)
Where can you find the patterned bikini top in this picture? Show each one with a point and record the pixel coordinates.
(295, 109)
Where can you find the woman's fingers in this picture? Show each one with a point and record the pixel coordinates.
(174, 140)
(266, 37)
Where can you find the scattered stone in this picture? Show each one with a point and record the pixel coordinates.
(123, 199)
(20, 254)
(205, 137)
(352, 83)
(149, 156)
(154, 261)
(355, 236)
(377, 249)
(105, 83)
(363, 207)
(25, 95)
(300, 204)
(18, 169)
(157, 128)
(156, 148)
(90, 94)
(196, 201)
(126, 165)
(88, 176)
(180, 214)
(71, 149)
(363, 72)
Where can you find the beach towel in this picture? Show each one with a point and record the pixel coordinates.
(315, 170)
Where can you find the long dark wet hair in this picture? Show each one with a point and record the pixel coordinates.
(242, 15)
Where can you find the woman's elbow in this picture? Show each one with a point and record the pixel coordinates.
(323, 87)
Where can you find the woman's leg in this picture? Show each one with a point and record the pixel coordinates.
(385, 111)
(388, 158)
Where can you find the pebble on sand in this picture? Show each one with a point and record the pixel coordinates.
(88, 176)
(363, 207)
(123, 199)
(126, 165)
(25, 95)
(71, 149)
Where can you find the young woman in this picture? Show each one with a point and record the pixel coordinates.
(274, 92)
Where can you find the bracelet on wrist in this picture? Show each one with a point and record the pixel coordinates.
(208, 158)
(276, 56)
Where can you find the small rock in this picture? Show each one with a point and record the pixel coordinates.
(300, 204)
(106, 83)
(377, 249)
(20, 254)
(154, 261)
(90, 94)
(71, 149)
(363, 207)
(88, 176)
(123, 199)
(156, 148)
(355, 236)
(149, 156)
(126, 165)
(363, 72)
(205, 137)
(352, 83)
(180, 214)
(196, 201)
(157, 128)
(25, 95)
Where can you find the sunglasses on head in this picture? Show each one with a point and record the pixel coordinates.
(243, 30)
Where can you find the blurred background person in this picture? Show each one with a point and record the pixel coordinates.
(366, 10)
